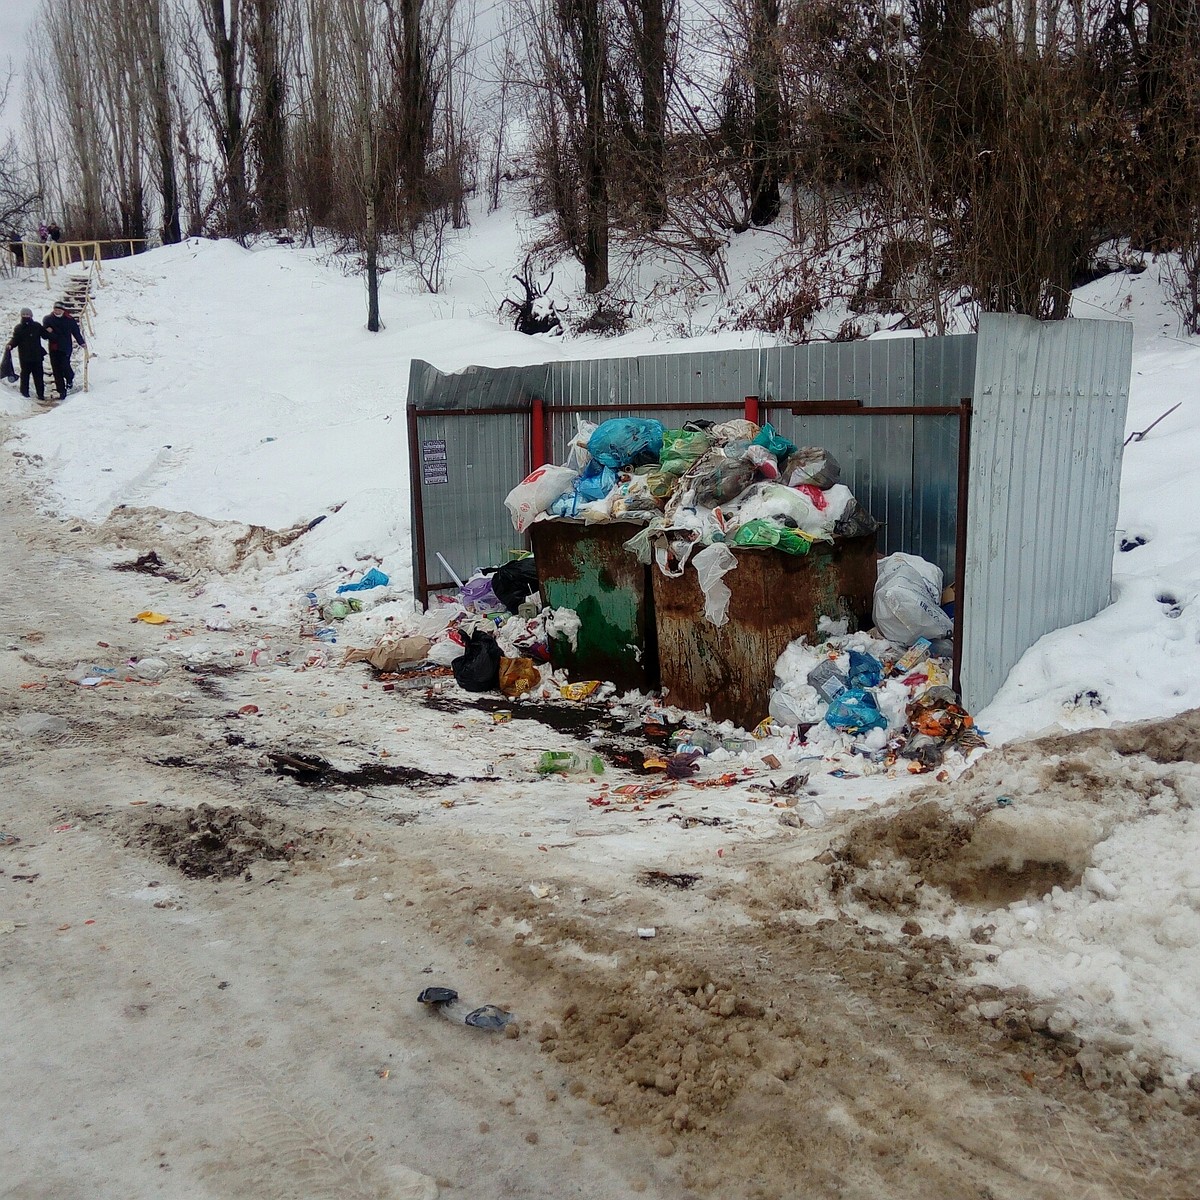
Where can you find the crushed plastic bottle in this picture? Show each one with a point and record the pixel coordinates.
(568, 762)
(326, 635)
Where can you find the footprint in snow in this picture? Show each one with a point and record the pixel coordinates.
(1172, 607)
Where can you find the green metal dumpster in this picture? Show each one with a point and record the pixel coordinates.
(587, 568)
(775, 598)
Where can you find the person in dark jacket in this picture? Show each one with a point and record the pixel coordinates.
(27, 341)
(63, 331)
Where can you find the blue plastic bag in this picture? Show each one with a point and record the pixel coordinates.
(372, 579)
(855, 711)
(626, 441)
(595, 482)
(866, 671)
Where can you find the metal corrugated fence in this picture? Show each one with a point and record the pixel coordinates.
(1049, 407)
(902, 467)
(1044, 483)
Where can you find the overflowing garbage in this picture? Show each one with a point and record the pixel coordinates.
(698, 490)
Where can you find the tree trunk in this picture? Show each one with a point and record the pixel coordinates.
(765, 201)
(270, 121)
(164, 133)
(593, 63)
(653, 68)
(371, 231)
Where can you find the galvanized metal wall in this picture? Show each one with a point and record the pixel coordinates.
(902, 467)
(594, 388)
(485, 453)
(1045, 467)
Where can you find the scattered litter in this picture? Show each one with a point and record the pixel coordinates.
(489, 1017)
(579, 691)
(435, 997)
(372, 579)
(648, 932)
(152, 618)
(568, 762)
(8, 839)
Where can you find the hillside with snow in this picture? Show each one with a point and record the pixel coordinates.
(241, 423)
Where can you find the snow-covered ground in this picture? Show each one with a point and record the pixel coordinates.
(240, 385)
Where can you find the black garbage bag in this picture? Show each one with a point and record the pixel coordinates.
(6, 367)
(478, 668)
(515, 582)
(855, 521)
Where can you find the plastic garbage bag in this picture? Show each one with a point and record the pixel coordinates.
(536, 492)
(577, 451)
(641, 545)
(763, 461)
(633, 498)
(763, 533)
(907, 606)
(855, 711)
(515, 582)
(812, 464)
(478, 668)
(776, 443)
(681, 448)
(626, 441)
(517, 676)
(786, 506)
(739, 429)
(866, 671)
(477, 593)
(712, 564)
(855, 521)
(372, 579)
(714, 479)
(595, 481)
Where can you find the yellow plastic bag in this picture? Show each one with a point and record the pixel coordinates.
(518, 676)
(152, 618)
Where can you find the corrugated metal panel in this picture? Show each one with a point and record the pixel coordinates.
(1049, 416)
(465, 517)
(602, 388)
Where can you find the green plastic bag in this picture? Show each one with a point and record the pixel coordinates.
(766, 534)
(681, 448)
(776, 443)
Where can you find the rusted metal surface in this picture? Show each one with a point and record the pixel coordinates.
(588, 569)
(775, 598)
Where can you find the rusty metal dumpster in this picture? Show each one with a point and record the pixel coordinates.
(775, 598)
(588, 569)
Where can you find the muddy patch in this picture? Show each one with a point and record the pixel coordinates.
(150, 564)
(311, 770)
(987, 859)
(665, 881)
(209, 842)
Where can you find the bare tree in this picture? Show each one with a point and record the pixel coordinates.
(264, 40)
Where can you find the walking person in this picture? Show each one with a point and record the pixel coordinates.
(27, 341)
(63, 331)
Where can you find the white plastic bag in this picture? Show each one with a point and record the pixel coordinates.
(536, 492)
(908, 594)
(712, 564)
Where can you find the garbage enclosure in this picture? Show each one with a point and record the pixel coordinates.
(775, 598)
(587, 568)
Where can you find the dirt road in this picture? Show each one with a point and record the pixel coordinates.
(209, 966)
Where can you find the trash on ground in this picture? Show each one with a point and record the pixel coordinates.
(372, 579)
(489, 1017)
(437, 996)
(152, 618)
